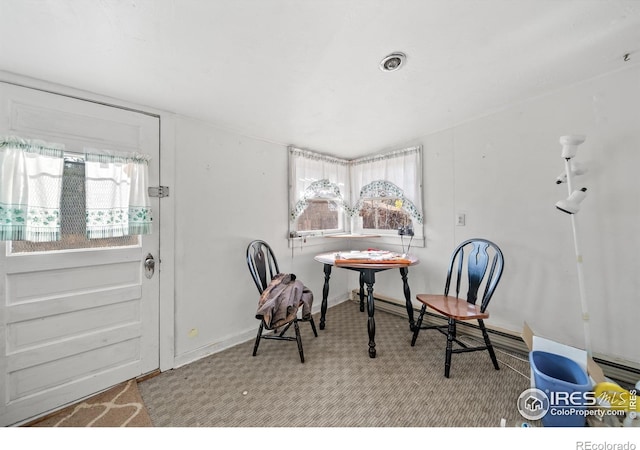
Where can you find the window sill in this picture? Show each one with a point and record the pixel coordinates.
(352, 236)
(349, 240)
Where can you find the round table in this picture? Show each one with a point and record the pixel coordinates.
(367, 272)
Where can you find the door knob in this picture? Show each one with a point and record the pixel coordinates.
(149, 266)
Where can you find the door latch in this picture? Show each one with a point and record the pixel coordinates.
(158, 191)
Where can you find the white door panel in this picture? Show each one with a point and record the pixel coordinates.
(75, 322)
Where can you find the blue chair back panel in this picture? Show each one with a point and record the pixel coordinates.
(477, 254)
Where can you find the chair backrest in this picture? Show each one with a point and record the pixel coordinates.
(262, 263)
(473, 256)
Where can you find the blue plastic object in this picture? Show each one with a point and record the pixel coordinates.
(565, 383)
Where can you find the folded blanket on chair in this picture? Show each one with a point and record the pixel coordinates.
(279, 303)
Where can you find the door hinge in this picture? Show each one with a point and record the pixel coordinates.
(158, 191)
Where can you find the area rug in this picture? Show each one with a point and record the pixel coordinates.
(120, 406)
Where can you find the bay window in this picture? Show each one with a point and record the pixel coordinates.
(378, 194)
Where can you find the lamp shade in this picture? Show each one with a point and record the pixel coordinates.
(570, 145)
(572, 204)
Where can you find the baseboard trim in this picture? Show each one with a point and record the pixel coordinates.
(624, 374)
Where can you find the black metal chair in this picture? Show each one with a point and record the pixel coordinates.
(263, 267)
(475, 263)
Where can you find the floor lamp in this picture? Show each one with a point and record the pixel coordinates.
(571, 206)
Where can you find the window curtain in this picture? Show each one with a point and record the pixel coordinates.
(394, 174)
(30, 189)
(117, 200)
(315, 175)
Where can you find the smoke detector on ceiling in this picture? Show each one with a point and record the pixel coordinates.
(392, 62)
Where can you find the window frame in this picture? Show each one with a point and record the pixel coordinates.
(351, 220)
(325, 175)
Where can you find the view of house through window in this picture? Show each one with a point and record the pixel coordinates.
(320, 215)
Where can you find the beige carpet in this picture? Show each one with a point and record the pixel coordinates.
(339, 385)
(120, 406)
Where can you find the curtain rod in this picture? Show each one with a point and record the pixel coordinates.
(104, 155)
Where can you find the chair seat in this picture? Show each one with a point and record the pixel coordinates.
(454, 307)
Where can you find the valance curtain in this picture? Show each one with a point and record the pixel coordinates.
(30, 189)
(315, 175)
(393, 174)
(117, 202)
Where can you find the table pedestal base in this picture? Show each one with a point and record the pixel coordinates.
(368, 278)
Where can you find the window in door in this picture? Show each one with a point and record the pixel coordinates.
(73, 219)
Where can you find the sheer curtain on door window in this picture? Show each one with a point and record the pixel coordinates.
(30, 189)
(117, 203)
(53, 200)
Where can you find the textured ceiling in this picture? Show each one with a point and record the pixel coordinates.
(305, 72)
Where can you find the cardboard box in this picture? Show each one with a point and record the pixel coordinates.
(580, 356)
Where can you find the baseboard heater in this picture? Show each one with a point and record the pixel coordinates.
(625, 374)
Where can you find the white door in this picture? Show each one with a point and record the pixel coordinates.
(75, 321)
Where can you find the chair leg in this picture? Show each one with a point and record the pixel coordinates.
(416, 330)
(450, 336)
(313, 327)
(255, 347)
(488, 343)
(299, 340)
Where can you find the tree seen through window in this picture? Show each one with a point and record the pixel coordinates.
(383, 214)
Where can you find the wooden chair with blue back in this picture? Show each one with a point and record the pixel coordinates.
(481, 255)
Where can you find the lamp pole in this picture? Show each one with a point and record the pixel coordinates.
(579, 262)
(581, 285)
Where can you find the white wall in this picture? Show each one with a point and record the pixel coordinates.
(500, 170)
(230, 189)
